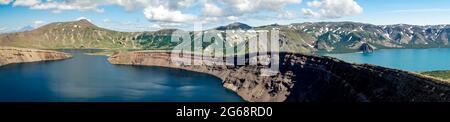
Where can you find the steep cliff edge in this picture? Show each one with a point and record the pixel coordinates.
(304, 78)
(9, 55)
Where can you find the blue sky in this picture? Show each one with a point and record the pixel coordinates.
(148, 15)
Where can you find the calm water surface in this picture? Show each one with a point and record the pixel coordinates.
(406, 59)
(92, 78)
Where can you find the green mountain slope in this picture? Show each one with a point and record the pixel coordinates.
(77, 34)
(300, 37)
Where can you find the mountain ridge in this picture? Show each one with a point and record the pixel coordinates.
(306, 37)
(235, 26)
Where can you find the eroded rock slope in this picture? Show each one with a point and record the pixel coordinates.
(304, 78)
(9, 55)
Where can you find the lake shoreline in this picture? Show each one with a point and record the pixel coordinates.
(416, 60)
(12, 55)
(92, 79)
(285, 86)
(246, 83)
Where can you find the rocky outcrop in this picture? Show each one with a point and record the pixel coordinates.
(304, 78)
(235, 26)
(9, 55)
(366, 48)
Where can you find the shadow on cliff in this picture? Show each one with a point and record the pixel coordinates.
(304, 78)
(326, 79)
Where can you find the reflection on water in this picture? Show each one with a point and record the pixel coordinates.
(92, 78)
(406, 59)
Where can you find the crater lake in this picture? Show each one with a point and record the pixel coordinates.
(418, 60)
(93, 79)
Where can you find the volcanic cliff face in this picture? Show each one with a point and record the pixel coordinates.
(10, 55)
(304, 78)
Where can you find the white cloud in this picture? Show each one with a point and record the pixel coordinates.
(155, 27)
(314, 3)
(210, 20)
(310, 13)
(212, 10)
(127, 4)
(2, 28)
(127, 23)
(57, 11)
(332, 8)
(26, 2)
(5, 2)
(38, 22)
(163, 14)
(231, 10)
(185, 3)
(232, 18)
(106, 20)
(138, 4)
(83, 18)
(245, 6)
(58, 7)
(179, 11)
(287, 15)
(170, 24)
(95, 5)
(158, 26)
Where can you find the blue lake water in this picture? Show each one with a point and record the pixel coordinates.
(406, 59)
(92, 78)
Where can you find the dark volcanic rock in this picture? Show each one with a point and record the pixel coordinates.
(304, 78)
(366, 48)
(235, 26)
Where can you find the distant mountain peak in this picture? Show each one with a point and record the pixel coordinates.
(235, 26)
(84, 22)
(26, 28)
(71, 25)
(237, 23)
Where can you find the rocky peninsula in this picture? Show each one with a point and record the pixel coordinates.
(305, 78)
(9, 55)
